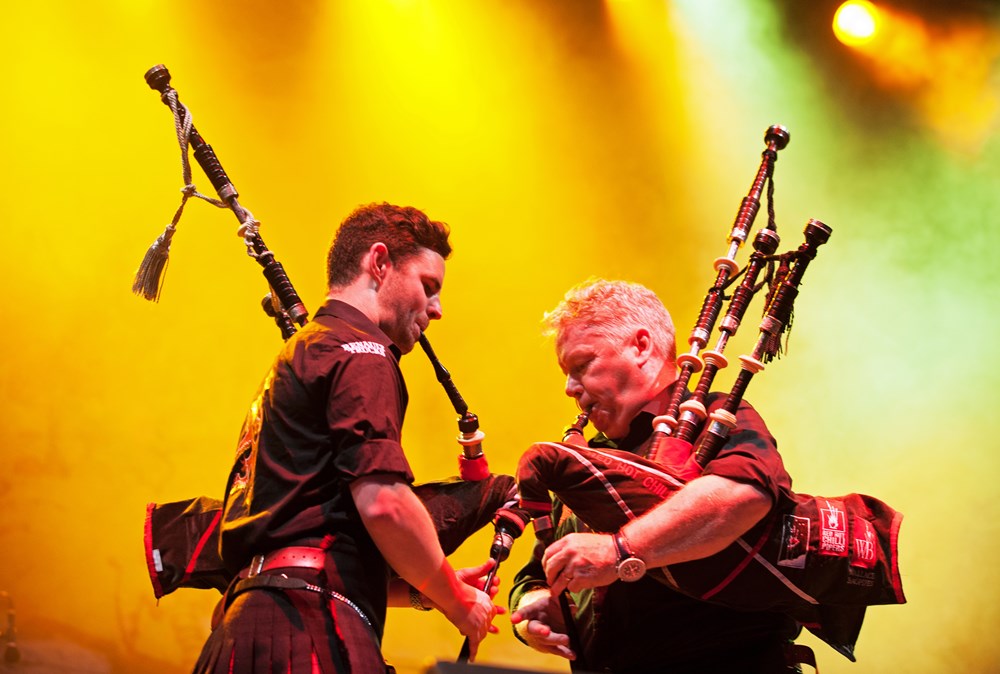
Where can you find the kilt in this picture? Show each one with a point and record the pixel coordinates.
(274, 630)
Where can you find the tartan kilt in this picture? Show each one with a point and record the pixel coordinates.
(289, 631)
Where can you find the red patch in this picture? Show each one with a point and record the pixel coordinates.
(833, 528)
(864, 552)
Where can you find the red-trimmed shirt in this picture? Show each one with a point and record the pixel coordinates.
(631, 628)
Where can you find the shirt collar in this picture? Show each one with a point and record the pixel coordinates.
(357, 319)
(641, 426)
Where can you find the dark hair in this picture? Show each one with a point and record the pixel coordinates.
(403, 229)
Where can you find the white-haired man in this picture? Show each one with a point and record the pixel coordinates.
(615, 343)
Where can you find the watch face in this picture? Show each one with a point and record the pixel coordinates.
(631, 569)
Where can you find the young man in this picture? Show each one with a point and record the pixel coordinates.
(318, 507)
(615, 343)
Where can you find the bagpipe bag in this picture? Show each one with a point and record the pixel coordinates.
(821, 560)
(182, 538)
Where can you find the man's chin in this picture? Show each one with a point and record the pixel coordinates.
(609, 428)
(404, 342)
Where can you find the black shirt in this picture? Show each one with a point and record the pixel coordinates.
(631, 628)
(329, 411)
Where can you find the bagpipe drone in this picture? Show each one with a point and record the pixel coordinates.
(182, 538)
(820, 560)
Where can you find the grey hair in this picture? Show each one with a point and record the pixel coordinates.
(614, 310)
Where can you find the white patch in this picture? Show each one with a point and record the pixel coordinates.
(365, 347)
(157, 561)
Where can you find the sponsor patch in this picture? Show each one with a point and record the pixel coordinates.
(860, 577)
(794, 542)
(833, 528)
(364, 347)
(863, 552)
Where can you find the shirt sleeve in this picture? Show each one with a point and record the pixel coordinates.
(364, 412)
(532, 574)
(751, 454)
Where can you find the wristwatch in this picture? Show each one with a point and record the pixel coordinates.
(630, 568)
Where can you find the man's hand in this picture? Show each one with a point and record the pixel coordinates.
(474, 617)
(473, 576)
(580, 561)
(539, 621)
(476, 577)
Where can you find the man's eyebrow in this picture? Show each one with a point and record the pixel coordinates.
(433, 283)
(574, 354)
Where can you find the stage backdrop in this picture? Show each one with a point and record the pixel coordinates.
(560, 139)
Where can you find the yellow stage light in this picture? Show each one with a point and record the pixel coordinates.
(855, 22)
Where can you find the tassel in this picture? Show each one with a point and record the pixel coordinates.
(788, 334)
(149, 277)
(772, 342)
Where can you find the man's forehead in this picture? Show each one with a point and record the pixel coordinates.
(425, 261)
(576, 339)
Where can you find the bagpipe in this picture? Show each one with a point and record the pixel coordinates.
(820, 560)
(182, 538)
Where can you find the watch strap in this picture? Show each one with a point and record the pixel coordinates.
(622, 546)
(630, 568)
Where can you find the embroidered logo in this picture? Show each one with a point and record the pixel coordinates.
(794, 542)
(246, 450)
(864, 552)
(833, 529)
(364, 347)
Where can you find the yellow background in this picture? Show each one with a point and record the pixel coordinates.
(559, 139)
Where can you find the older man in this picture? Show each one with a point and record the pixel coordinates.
(615, 343)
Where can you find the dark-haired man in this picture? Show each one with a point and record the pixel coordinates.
(318, 508)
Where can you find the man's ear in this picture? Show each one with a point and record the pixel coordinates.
(378, 262)
(642, 342)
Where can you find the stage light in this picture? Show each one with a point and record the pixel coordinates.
(855, 22)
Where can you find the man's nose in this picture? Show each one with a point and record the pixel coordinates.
(573, 388)
(434, 310)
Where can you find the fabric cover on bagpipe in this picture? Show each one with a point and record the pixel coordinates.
(819, 560)
(182, 538)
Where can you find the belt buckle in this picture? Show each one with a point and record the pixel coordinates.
(256, 566)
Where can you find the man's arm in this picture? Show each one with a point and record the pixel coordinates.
(402, 594)
(537, 616)
(405, 535)
(700, 519)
